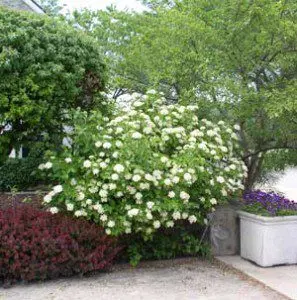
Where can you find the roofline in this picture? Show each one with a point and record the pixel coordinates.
(34, 6)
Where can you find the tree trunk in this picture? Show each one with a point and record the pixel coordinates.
(254, 164)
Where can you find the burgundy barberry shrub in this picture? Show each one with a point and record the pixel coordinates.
(37, 245)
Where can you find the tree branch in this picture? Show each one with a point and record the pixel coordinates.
(268, 149)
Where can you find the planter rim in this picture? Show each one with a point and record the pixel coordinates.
(267, 220)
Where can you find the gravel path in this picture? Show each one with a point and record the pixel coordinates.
(173, 279)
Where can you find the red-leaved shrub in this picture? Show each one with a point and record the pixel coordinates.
(36, 245)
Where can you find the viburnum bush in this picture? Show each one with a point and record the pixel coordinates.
(37, 245)
(147, 167)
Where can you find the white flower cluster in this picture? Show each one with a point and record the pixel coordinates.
(149, 167)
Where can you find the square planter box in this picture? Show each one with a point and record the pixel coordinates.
(268, 241)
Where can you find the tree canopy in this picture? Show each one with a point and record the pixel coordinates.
(237, 59)
(46, 68)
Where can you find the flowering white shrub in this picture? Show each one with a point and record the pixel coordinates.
(145, 168)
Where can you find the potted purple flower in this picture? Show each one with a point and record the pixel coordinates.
(268, 229)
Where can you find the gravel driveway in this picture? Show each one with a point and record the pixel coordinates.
(173, 279)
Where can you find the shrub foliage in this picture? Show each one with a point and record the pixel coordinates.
(46, 68)
(181, 241)
(21, 174)
(145, 168)
(38, 245)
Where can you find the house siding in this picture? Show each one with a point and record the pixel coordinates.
(16, 4)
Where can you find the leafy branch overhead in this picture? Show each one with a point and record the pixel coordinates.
(236, 59)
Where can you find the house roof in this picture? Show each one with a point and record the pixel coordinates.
(34, 6)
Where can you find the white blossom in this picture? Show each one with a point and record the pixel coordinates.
(171, 194)
(89, 201)
(167, 181)
(111, 223)
(224, 192)
(78, 213)
(138, 103)
(47, 198)
(128, 230)
(70, 206)
(119, 194)
(131, 190)
(115, 176)
(73, 182)
(164, 159)
(41, 167)
(87, 164)
(157, 224)
(57, 189)
(236, 127)
(150, 204)
(184, 196)
(149, 216)
(151, 92)
(119, 130)
(176, 215)
(80, 196)
(149, 177)
(144, 186)
(213, 201)
(175, 179)
(133, 212)
(103, 165)
(119, 168)
(138, 196)
(48, 165)
(98, 144)
(147, 130)
(103, 193)
(95, 171)
(169, 224)
(185, 215)
(136, 178)
(187, 177)
(118, 144)
(220, 179)
(107, 145)
(192, 219)
(103, 218)
(136, 135)
(54, 210)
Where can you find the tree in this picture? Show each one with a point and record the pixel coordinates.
(113, 31)
(51, 7)
(46, 69)
(236, 58)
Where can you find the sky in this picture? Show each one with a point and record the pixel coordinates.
(101, 4)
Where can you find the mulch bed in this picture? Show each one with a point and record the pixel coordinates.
(8, 200)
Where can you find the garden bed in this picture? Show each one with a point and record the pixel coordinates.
(8, 200)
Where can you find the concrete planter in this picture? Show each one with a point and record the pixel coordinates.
(268, 241)
(224, 231)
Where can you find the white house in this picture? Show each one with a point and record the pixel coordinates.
(28, 5)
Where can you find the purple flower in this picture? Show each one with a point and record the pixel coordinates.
(269, 201)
